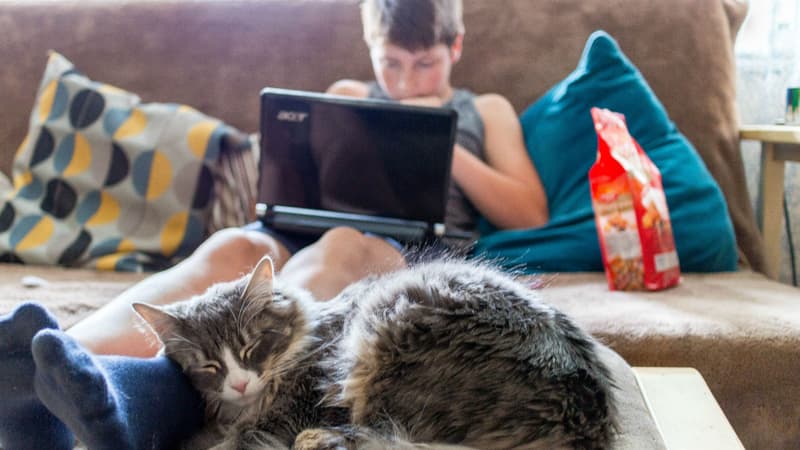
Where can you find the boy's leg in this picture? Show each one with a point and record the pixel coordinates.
(25, 423)
(115, 402)
(228, 254)
(340, 257)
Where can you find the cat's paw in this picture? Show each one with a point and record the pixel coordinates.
(320, 439)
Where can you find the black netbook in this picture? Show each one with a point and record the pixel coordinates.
(374, 165)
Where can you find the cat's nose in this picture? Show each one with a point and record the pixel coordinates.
(240, 387)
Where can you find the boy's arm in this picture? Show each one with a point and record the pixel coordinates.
(349, 88)
(506, 189)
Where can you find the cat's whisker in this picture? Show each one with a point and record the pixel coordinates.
(236, 317)
(179, 351)
(290, 365)
(175, 339)
(249, 302)
(180, 339)
(188, 343)
(301, 363)
(280, 371)
(246, 324)
(242, 304)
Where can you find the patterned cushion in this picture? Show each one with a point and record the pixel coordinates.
(105, 181)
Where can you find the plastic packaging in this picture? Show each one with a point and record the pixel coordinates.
(631, 213)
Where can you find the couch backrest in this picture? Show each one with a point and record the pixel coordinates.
(217, 54)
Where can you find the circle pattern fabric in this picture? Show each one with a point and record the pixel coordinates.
(103, 180)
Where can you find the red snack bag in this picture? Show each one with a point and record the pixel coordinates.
(630, 210)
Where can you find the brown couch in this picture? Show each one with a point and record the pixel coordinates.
(740, 330)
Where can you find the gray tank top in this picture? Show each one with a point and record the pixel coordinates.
(461, 214)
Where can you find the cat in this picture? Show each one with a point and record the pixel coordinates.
(447, 353)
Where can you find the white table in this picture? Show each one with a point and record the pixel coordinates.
(779, 143)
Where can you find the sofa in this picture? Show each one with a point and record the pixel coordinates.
(740, 330)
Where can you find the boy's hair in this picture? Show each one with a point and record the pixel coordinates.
(412, 24)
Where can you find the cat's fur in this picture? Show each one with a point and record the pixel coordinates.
(442, 353)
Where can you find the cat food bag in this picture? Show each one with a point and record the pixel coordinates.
(630, 210)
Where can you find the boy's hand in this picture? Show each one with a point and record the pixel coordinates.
(431, 100)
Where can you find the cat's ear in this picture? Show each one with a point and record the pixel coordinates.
(156, 318)
(261, 279)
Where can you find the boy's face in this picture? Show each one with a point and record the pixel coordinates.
(404, 74)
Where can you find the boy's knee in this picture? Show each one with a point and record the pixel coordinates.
(341, 239)
(348, 246)
(232, 245)
(339, 257)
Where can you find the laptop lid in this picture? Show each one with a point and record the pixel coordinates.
(362, 157)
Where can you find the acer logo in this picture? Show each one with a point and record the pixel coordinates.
(292, 116)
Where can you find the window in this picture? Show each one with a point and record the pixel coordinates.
(768, 59)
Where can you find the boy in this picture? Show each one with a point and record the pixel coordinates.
(104, 400)
(413, 45)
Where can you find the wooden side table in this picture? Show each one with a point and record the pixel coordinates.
(684, 409)
(779, 143)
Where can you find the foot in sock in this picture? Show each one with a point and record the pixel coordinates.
(115, 402)
(25, 423)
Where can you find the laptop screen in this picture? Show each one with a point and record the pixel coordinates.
(360, 156)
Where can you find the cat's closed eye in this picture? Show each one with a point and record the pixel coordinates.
(206, 375)
(209, 368)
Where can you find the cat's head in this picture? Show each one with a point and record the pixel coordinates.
(236, 340)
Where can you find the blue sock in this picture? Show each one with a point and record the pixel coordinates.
(25, 423)
(115, 402)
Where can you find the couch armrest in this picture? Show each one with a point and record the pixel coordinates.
(779, 143)
(685, 411)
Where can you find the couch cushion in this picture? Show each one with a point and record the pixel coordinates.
(106, 181)
(739, 329)
(560, 138)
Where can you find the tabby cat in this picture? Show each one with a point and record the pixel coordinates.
(444, 353)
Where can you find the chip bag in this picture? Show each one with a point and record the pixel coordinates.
(630, 210)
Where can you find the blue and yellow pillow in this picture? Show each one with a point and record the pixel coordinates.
(561, 140)
(104, 181)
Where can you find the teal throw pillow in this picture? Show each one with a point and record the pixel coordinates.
(562, 143)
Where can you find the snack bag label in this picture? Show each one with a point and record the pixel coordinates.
(631, 213)
(617, 222)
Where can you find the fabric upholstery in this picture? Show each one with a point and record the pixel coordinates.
(740, 330)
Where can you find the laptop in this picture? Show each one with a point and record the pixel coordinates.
(374, 165)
